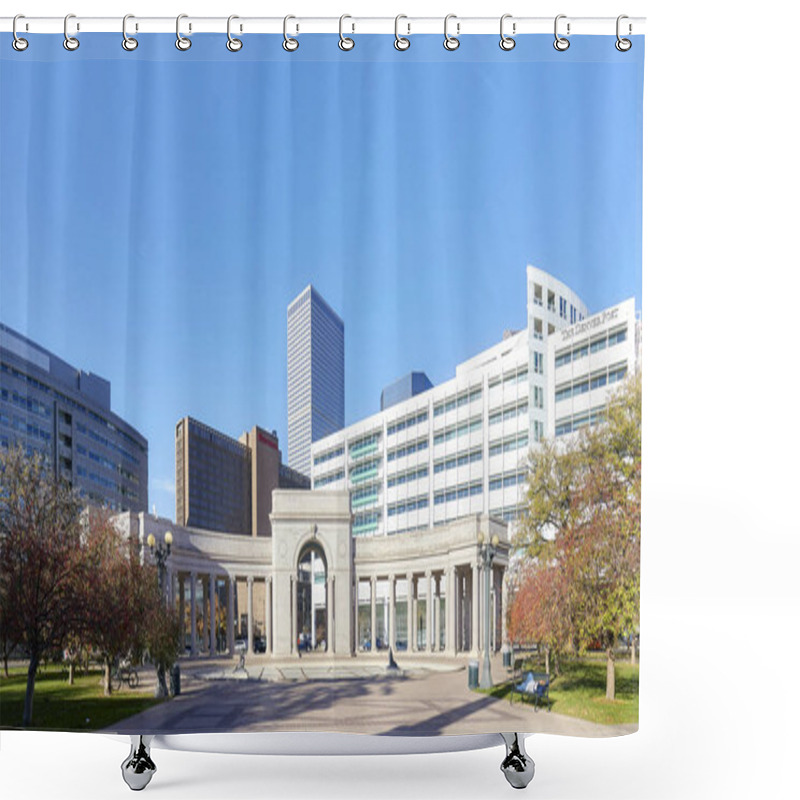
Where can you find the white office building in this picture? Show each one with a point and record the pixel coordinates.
(315, 366)
(585, 362)
(459, 448)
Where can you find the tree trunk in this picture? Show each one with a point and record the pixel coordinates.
(610, 676)
(71, 680)
(106, 678)
(547, 660)
(633, 651)
(5, 664)
(27, 710)
(162, 690)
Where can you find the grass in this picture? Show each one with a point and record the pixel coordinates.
(580, 691)
(59, 706)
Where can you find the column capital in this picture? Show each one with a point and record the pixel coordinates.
(250, 580)
(428, 573)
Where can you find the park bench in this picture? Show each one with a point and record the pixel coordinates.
(533, 685)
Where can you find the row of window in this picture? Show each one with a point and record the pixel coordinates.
(453, 431)
(507, 479)
(459, 460)
(366, 522)
(364, 444)
(509, 513)
(458, 492)
(28, 428)
(26, 403)
(576, 422)
(518, 375)
(538, 362)
(409, 475)
(509, 412)
(106, 483)
(407, 450)
(364, 469)
(593, 346)
(326, 479)
(365, 496)
(509, 444)
(100, 439)
(104, 462)
(595, 381)
(331, 454)
(457, 401)
(408, 505)
(407, 422)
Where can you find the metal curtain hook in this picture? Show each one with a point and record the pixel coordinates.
(128, 42)
(290, 44)
(401, 42)
(506, 42)
(561, 43)
(345, 42)
(181, 42)
(70, 42)
(451, 42)
(623, 45)
(18, 43)
(233, 44)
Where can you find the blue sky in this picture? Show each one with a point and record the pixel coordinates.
(159, 210)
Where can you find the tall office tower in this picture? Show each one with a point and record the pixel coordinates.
(315, 361)
(223, 484)
(50, 407)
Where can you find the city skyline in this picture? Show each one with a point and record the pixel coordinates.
(176, 281)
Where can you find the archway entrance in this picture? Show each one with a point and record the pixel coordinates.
(312, 600)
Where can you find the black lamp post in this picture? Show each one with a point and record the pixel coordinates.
(486, 553)
(161, 553)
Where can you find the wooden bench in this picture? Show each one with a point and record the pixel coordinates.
(534, 685)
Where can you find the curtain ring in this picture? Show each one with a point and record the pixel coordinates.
(561, 43)
(623, 45)
(181, 42)
(450, 42)
(18, 43)
(400, 42)
(345, 42)
(506, 42)
(70, 42)
(128, 42)
(290, 44)
(233, 44)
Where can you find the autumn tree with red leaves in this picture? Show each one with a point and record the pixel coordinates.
(581, 536)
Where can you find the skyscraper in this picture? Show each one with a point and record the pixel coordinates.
(315, 360)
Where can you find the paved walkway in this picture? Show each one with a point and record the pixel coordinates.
(348, 696)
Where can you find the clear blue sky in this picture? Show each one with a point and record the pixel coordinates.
(159, 209)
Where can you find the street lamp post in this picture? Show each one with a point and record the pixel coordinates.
(160, 553)
(486, 552)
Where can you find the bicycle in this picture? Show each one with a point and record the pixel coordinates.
(125, 672)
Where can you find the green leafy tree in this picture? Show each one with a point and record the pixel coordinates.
(582, 534)
(43, 568)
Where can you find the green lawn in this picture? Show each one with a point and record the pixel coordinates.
(58, 706)
(580, 691)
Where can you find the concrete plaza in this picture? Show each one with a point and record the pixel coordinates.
(428, 697)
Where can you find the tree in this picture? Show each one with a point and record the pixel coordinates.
(582, 533)
(42, 560)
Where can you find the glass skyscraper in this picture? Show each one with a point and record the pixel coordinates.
(315, 362)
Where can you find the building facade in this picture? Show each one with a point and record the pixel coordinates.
(459, 448)
(404, 389)
(50, 407)
(315, 375)
(423, 593)
(225, 484)
(585, 363)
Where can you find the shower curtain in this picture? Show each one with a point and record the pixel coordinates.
(329, 355)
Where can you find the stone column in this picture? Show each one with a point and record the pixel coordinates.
(450, 610)
(293, 612)
(392, 631)
(249, 615)
(475, 609)
(437, 615)
(373, 603)
(212, 612)
(193, 611)
(204, 640)
(182, 610)
(268, 614)
(330, 633)
(429, 611)
(410, 611)
(231, 589)
(503, 606)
